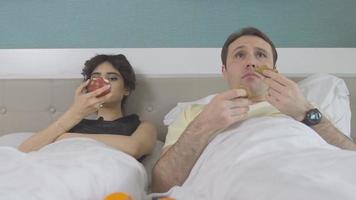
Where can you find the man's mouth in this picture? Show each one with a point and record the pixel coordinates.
(250, 74)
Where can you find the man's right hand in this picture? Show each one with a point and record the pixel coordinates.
(224, 110)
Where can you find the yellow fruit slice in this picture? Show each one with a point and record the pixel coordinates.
(248, 92)
(261, 68)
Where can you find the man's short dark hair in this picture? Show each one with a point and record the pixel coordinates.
(248, 31)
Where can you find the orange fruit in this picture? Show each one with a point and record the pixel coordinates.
(118, 196)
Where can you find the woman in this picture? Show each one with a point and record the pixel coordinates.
(111, 126)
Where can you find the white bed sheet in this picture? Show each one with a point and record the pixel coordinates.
(270, 158)
(71, 169)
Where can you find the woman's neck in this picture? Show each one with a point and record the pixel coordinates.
(110, 112)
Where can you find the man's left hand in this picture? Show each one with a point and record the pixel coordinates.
(285, 95)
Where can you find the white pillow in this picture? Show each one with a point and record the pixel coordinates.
(173, 113)
(14, 139)
(331, 96)
(327, 92)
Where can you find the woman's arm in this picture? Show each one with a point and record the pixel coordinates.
(84, 104)
(49, 134)
(140, 143)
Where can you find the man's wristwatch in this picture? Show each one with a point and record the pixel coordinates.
(312, 117)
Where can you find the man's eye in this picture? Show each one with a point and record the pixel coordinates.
(261, 55)
(239, 55)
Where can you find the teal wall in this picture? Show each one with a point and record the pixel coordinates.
(173, 23)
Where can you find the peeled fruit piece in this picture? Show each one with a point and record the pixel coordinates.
(248, 92)
(96, 83)
(261, 68)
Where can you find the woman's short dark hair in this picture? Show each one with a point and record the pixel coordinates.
(120, 63)
(248, 31)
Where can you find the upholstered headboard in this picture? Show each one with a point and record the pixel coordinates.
(31, 104)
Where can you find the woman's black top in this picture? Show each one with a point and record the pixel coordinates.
(122, 126)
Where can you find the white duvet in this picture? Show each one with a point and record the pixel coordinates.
(71, 169)
(270, 158)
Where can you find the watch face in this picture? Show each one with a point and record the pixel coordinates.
(313, 117)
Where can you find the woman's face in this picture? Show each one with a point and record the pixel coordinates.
(108, 72)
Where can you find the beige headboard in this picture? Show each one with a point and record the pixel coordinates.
(30, 105)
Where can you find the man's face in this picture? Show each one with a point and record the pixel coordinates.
(244, 55)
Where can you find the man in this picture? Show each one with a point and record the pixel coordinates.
(241, 54)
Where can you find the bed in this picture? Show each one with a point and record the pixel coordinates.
(276, 157)
(27, 105)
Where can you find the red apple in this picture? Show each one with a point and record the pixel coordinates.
(96, 83)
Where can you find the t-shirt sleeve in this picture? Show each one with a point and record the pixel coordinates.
(184, 118)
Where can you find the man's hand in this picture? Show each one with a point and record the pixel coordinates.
(224, 110)
(285, 95)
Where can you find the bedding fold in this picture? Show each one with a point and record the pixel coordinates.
(71, 169)
(270, 158)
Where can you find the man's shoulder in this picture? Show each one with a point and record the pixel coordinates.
(193, 110)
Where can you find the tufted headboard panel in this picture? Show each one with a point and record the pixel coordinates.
(31, 104)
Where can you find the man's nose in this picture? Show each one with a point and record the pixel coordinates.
(251, 62)
(251, 66)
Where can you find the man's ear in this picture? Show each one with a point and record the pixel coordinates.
(223, 71)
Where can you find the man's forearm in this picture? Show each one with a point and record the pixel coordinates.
(177, 162)
(333, 136)
(175, 165)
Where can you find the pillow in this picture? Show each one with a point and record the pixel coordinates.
(331, 96)
(14, 139)
(173, 114)
(327, 92)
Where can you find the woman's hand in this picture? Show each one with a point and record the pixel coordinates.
(285, 95)
(87, 103)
